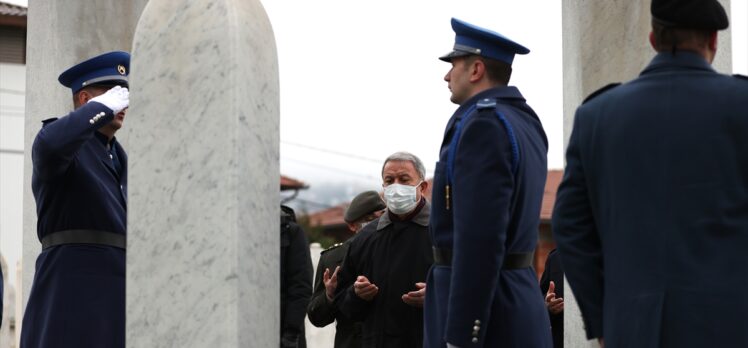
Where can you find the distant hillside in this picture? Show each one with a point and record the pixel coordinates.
(323, 195)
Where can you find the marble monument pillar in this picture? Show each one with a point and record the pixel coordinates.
(203, 207)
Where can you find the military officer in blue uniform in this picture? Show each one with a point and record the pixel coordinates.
(651, 218)
(79, 181)
(488, 186)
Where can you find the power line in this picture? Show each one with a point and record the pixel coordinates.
(334, 152)
(344, 154)
(336, 170)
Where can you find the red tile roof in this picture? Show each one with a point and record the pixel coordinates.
(549, 196)
(291, 184)
(12, 10)
(330, 216)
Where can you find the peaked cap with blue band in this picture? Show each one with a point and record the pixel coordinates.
(108, 68)
(471, 39)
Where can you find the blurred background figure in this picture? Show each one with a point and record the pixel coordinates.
(296, 280)
(552, 287)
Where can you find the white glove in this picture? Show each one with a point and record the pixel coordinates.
(117, 99)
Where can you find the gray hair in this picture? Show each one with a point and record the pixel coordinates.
(409, 157)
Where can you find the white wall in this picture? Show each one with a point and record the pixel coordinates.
(12, 110)
(12, 96)
(739, 24)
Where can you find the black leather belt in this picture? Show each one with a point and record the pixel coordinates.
(85, 237)
(443, 257)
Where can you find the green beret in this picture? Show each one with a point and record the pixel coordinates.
(690, 14)
(363, 204)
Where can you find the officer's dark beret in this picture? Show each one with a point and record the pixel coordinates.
(363, 204)
(690, 14)
(107, 68)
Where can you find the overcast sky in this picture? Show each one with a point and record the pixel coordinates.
(362, 79)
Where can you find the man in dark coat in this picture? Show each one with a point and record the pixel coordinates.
(488, 187)
(651, 218)
(79, 181)
(364, 208)
(552, 287)
(382, 281)
(296, 280)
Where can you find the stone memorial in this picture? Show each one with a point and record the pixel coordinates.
(203, 204)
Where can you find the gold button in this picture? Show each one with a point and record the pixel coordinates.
(475, 340)
(91, 121)
(477, 322)
(476, 328)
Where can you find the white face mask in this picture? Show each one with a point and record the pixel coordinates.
(400, 199)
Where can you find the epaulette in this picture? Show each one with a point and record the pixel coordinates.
(741, 76)
(601, 91)
(336, 245)
(48, 121)
(485, 103)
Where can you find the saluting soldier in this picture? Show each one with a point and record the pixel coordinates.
(651, 218)
(365, 207)
(79, 182)
(488, 186)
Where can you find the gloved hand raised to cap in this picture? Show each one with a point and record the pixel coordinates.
(117, 98)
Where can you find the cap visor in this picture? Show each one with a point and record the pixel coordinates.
(454, 54)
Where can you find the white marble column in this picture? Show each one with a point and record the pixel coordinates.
(604, 42)
(61, 34)
(203, 207)
(739, 25)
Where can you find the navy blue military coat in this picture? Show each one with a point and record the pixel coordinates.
(651, 218)
(494, 210)
(78, 295)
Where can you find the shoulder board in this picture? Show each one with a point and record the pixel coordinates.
(741, 76)
(334, 246)
(486, 103)
(601, 91)
(48, 121)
